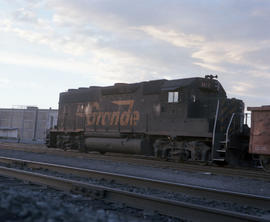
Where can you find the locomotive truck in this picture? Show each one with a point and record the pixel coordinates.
(183, 119)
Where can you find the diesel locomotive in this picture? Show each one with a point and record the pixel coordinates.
(182, 119)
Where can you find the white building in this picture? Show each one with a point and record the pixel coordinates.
(28, 125)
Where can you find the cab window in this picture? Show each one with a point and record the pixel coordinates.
(173, 97)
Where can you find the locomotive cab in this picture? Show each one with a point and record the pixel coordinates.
(189, 105)
(200, 119)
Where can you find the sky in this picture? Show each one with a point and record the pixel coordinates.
(50, 46)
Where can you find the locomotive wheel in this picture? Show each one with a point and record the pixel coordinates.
(265, 163)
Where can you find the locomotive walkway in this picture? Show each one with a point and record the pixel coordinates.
(170, 207)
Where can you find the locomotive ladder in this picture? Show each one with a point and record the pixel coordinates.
(223, 144)
(219, 145)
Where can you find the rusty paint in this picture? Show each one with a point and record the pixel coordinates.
(260, 130)
(94, 115)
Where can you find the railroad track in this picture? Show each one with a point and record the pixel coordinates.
(170, 207)
(145, 161)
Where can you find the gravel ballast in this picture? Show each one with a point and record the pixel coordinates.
(28, 202)
(25, 203)
(223, 205)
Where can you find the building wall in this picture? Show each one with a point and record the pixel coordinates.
(31, 123)
(9, 133)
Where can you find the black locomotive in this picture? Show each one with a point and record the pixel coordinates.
(183, 119)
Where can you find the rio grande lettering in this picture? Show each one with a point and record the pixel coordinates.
(126, 116)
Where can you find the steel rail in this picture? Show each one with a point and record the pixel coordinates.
(187, 189)
(239, 172)
(164, 206)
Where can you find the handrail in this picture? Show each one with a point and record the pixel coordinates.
(214, 131)
(227, 131)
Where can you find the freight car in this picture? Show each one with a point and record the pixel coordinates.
(260, 135)
(182, 119)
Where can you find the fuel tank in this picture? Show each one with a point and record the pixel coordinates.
(115, 145)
